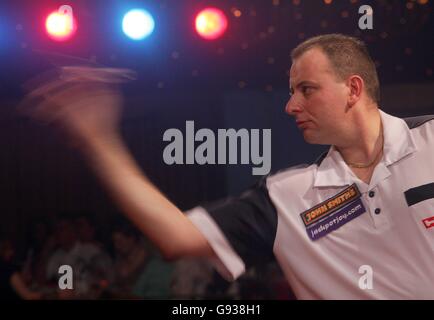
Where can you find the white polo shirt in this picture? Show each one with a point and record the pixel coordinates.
(328, 229)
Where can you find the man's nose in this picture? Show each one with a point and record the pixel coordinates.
(293, 107)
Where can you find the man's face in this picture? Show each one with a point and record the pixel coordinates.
(319, 100)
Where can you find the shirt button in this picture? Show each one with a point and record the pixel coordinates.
(371, 194)
(377, 211)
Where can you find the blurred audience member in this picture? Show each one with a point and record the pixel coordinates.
(191, 278)
(40, 245)
(140, 272)
(12, 284)
(92, 267)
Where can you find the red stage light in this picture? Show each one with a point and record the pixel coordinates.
(60, 26)
(211, 23)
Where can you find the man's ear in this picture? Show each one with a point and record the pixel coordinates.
(356, 85)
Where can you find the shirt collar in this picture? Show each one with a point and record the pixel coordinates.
(398, 143)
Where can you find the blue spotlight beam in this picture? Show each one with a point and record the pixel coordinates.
(138, 24)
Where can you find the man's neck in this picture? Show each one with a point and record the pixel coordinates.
(365, 146)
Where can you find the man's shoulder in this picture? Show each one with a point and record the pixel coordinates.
(419, 121)
(298, 176)
(289, 173)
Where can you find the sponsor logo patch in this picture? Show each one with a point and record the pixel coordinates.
(329, 206)
(428, 222)
(333, 213)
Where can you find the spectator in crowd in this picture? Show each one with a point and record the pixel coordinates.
(40, 244)
(139, 271)
(92, 267)
(191, 278)
(12, 284)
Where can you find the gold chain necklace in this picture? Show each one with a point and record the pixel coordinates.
(367, 165)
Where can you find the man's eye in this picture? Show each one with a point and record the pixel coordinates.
(307, 90)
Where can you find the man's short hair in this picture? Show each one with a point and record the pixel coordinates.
(348, 56)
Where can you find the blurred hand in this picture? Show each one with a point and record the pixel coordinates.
(85, 102)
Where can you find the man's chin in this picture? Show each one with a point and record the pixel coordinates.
(313, 139)
(309, 138)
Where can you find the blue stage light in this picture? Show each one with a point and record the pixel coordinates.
(138, 24)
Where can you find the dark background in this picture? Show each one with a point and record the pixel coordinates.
(238, 81)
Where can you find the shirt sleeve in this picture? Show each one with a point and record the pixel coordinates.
(241, 230)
